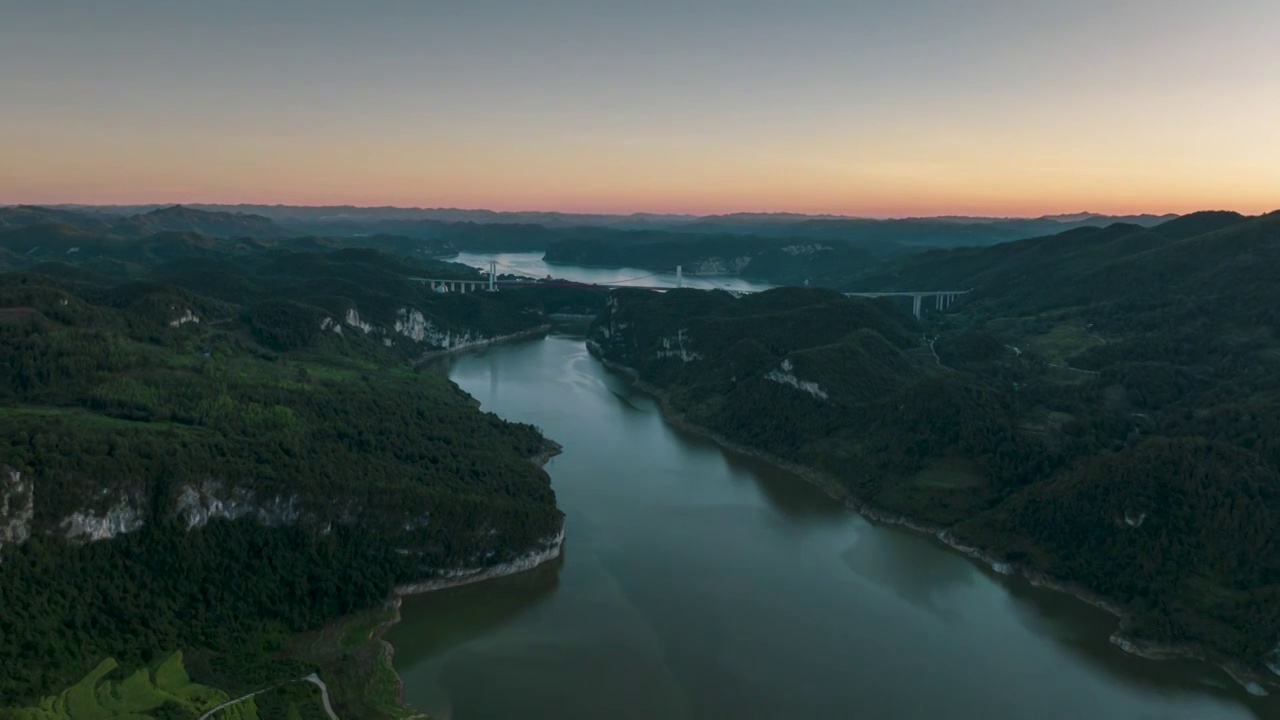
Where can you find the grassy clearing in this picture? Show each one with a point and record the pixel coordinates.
(1062, 343)
(104, 695)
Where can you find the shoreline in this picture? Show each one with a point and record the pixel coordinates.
(387, 651)
(496, 340)
(469, 576)
(1253, 682)
(550, 551)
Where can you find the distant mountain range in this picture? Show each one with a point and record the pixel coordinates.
(492, 231)
(168, 219)
(287, 214)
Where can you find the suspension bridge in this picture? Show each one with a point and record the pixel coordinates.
(942, 299)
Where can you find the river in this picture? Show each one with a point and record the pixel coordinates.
(696, 584)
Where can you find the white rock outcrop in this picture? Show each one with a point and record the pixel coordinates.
(119, 519)
(353, 319)
(786, 376)
(1134, 519)
(413, 324)
(199, 503)
(184, 318)
(677, 346)
(17, 507)
(466, 576)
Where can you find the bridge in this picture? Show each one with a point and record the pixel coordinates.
(942, 299)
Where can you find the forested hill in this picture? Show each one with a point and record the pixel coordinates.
(169, 219)
(720, 243)
(1103, 409)
(209, 446)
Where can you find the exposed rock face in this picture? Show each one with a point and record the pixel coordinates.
(413, 324)
(17, 507)
(786, 376)
(465, 576)
(123, 517)
(197, 504)
(677, 346)
(353, 319)
(184, 318)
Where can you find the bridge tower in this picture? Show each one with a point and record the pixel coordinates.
(493, 276)
(679, 276)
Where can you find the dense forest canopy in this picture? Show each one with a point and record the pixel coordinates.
(211, 445)
(1103, 408)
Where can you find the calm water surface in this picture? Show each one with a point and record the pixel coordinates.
(531, 264)
(698, 584)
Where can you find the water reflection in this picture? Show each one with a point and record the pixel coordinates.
(911, 567)
(704, 584)
(1081, 632)
(434, 625)
(487, 607)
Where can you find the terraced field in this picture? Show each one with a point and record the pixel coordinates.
(147, 694)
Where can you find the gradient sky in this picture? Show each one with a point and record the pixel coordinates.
(901, 107)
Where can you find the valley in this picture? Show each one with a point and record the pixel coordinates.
(1097, 416)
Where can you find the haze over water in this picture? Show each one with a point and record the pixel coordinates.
(698, 584)
(531, 264)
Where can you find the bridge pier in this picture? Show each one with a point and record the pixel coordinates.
(915, 305)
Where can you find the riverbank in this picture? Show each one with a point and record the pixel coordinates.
(1253, 680)
(467, 576)
(360, 663)
(511, 337)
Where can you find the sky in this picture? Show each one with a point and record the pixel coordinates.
(893, 108)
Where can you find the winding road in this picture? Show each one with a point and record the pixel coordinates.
(313, 678)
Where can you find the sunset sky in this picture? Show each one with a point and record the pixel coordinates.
(902, 107)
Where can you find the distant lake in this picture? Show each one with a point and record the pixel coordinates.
(697, 584)
(531, 264)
